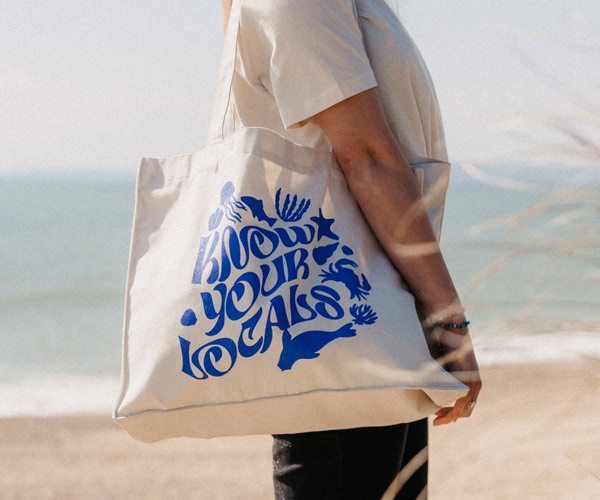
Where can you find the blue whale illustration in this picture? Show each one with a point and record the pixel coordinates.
(257, 209)
(307, 344)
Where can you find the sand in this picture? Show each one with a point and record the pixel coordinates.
(535, 435)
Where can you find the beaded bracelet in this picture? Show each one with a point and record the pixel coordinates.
(433, 321)
(452, 325)
(435, 329)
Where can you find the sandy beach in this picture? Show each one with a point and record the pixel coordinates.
(535, 435)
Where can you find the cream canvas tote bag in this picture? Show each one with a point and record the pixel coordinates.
(259, 301)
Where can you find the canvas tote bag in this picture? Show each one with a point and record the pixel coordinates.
(258, 299)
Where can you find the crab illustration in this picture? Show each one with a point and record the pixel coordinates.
(230, 204)
(342, 272)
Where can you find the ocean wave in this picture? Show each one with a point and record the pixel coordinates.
(521, 348)
(54, 395)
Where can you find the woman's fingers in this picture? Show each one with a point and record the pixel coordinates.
(451, 414)
(442, 412)
(444, 416)
(455, 352)
(463, 407)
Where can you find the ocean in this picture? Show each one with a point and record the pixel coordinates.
(526, 262)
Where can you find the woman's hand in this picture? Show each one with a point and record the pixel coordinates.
(455, 351)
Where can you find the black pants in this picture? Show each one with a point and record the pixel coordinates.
(352, 464)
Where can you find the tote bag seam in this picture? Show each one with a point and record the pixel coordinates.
(422, 388)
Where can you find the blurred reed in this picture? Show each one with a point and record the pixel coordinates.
(561, 225)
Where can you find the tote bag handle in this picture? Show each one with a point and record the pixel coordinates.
(222, 121)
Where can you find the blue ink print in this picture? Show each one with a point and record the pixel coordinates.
(324, 227)
(307, 345)
(287, 214)
(255, 274)
(322, 254)
(215, 219)
(338, 272)
(230, 204)
(258, 211)
(189, 318)
(363, 315)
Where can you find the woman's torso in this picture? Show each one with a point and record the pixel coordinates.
(283, 37)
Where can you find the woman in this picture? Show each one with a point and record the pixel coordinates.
(344, 75)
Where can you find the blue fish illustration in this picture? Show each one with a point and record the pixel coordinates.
(257, 209)
(307, 345)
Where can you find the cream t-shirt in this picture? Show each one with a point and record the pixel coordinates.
(296, 58)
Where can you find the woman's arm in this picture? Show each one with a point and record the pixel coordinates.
(387, 193)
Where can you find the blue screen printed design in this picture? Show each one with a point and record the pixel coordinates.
(189, 318)
(342, 271)
(307, 345)
(363, 314)
(252, 273)
(287, 213)
(322, 254)
(256, 207)
(229, 206)
(324, 227)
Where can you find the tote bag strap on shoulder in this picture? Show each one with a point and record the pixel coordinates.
(222, 122)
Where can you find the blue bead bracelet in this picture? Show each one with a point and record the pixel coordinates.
(453, 325)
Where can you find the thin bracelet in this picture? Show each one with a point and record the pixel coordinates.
(432, 320)
(452, 325)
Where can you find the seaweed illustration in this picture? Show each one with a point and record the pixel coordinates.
(363, 315)
(287, 213)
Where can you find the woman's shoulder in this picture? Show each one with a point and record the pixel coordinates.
(295, 13)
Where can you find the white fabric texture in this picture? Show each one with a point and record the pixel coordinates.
(298, 57)
(258, 299)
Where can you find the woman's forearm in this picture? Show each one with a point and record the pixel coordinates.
(387, 193)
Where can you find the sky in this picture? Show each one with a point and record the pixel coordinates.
(90, 86)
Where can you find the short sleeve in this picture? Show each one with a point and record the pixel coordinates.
(316, 55)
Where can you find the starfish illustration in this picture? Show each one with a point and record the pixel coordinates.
(324, 227)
